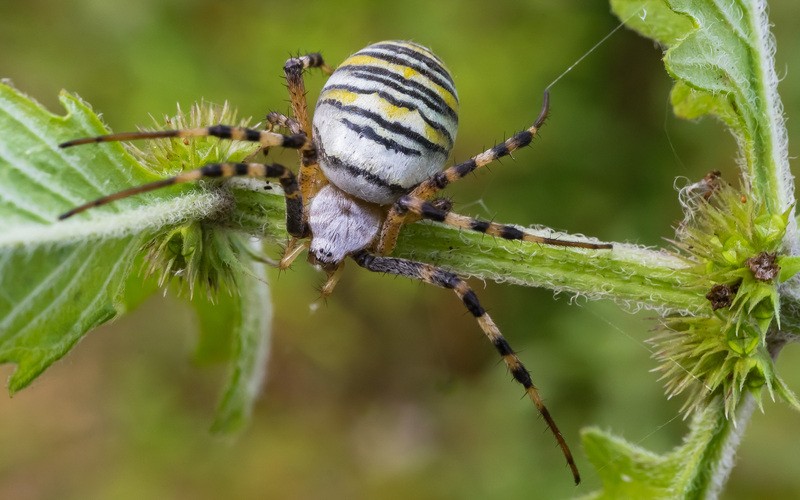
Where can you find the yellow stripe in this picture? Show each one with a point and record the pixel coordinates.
(409, 73)
(343, 96)
(390, 111)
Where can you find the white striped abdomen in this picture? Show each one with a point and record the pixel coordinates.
(385, 121)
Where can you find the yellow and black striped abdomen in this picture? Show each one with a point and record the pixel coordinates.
(386, 120)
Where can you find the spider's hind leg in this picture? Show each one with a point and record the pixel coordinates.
(432, 211)
(397, 216)
(439, 277)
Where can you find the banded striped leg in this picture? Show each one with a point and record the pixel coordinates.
(294, 202)
(435, 183)
(310, 175)
(430, 210)
(266, 138)
(276, 120)
(442, 278)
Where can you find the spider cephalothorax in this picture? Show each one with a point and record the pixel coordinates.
(373, 160)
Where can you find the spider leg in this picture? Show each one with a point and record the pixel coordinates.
(309, 175)
(439, 277)
(275, 120)
(334, 275)
(429, 210)
(294, 202)
(435, 183)
(292, 251)
(266, 138)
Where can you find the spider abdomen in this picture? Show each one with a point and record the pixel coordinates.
(385, 121)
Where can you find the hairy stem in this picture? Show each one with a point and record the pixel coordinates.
(633, 276)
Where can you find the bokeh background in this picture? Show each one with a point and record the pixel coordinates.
(389, 390)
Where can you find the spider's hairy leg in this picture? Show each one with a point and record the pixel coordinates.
(310, 175)
(277, 120)
(439, 277)
(294, 201)
(334, 275)
(266, 138)
(435, 183)
(293, 250)
(293, 69)
(429, 210)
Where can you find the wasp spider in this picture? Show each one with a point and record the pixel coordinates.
(372, 160)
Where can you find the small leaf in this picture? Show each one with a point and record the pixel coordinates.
(61, 279)
(720, 54)
(626, 470)
(58, 280)
(790, 265)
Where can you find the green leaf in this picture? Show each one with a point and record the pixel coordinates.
(790, 265)
(61, 279)
(695, 469)
(720, 54)
(626, 470)
(58, 280)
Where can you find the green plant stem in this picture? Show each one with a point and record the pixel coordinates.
(703, 463)
(633, 276)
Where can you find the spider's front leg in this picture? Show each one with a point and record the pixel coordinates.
(426, 189)
(266, 138)
(439, 277)
(295, 224)
(310, 175)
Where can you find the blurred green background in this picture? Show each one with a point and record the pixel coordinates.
(389, 390)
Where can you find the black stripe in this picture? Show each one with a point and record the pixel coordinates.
(471, 301)
(315, 60)
(424, 71)
(511, 233)
(522, 376)
(432, 212)
(295, 141)
(439, 179)
(479, 225)
(394, 127)
(500, 150)
(294, 217)
(402, 85)
(211, 170)
(337, 163)
(462, 169)
(502, 346)
(241, 169)
(522, 139)
(369, 133)
(274, 170)
(429, 62)
(395, 102)
(221, 131)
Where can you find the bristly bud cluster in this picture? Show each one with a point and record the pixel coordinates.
(733, 246)
(200, 254)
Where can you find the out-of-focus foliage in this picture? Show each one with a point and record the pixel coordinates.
(388, 389)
